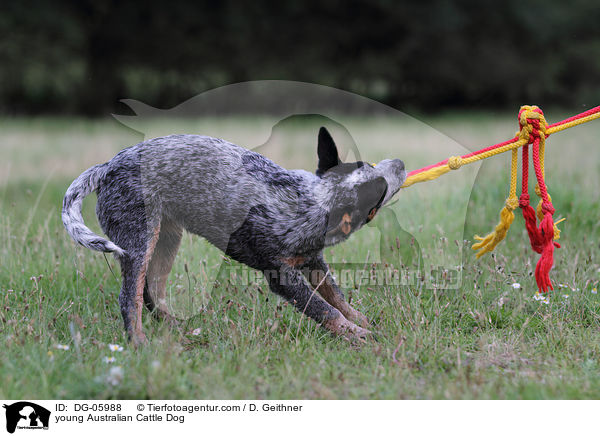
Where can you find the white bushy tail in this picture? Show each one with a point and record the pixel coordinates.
(82, 186)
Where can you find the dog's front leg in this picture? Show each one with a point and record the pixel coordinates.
(317, 272)
(291, 284)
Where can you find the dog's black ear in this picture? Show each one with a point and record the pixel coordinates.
(327, 152)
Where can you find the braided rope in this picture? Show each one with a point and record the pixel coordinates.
(533, 129)
(507, 216)
(434, 171)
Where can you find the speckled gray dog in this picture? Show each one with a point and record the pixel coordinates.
(272, 219)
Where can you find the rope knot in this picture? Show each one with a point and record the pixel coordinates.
(547, 208)
(524, 200)
(533, 123)
(455, 162)
(512, 203)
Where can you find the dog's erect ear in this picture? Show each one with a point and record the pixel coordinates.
(327, 152)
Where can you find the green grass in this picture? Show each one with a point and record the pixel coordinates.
(481, 340)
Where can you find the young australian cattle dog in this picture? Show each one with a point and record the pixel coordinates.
(274, 220)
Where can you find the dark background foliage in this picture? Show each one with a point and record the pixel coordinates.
(81, 57)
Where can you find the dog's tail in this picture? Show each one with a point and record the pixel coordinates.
(82, 186)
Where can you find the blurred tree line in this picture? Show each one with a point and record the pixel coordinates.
(81, 57)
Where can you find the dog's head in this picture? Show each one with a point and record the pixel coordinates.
(355, 191)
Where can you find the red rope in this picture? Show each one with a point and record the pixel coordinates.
(541, 238)
(528, 212)
(474, 153)
(576, 117)
(525, 181)
(501, 144)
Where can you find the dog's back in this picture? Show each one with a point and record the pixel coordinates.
(212, 188)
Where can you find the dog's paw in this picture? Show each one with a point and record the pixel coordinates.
(361, 335)
(165, 317)
(139, 339)
(340, 326)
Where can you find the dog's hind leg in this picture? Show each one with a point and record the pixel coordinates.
(134, 266)
(317, 272)
(160, 265)
(133, 225)
(291, 284)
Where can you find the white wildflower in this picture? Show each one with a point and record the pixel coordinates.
(62, 347)
(516, 285)
(197, 331)
(110, 359)
(541, 298)
(115, 347)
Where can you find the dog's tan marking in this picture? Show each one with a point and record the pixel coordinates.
(346, 224)
(329, 294)
(372, 214)
(294, 261)
(138, 335)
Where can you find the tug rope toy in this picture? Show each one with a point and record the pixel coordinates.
(533, 130)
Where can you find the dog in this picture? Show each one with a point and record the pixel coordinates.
(272, 219)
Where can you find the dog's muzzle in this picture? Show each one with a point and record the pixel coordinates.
(395, 175)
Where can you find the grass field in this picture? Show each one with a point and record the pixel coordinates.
(483, 340)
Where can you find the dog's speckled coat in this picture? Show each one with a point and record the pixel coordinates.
(272, 219)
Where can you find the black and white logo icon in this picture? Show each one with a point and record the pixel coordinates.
(26, 415)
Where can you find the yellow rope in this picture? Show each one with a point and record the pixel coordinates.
(488, 243)
(528, 113)
(424, 176)
(435, 172)
(573, 123)
(507, 216)
(513, 173)
(456, 162)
